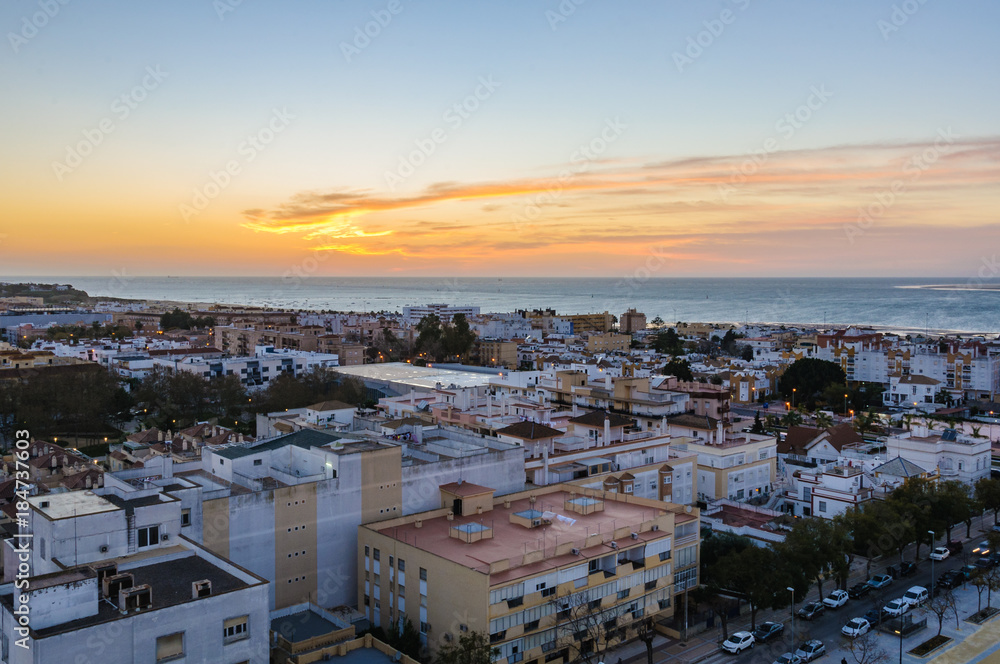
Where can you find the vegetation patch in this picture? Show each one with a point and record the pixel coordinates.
(979, 617)
(930, 645)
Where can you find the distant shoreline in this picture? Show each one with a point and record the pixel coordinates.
(962, 287)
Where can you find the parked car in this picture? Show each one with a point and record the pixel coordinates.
(810, 610)
(767, 631)
(955, 546)
(874, 617)
(996, 529)
(967, 571)
(896, 607)
(788, 658)
(835, 599)
(810, 650)
(915, 596)
(950, 579)
(738, 642)
(906, 568)
(880, 580)
(855, 627)
(859, 590)
(940, 553)
(986, 562)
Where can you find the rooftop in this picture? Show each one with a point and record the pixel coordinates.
(170, 581)
(420, 377)
(71, 503)
(305, 438)
(513, 541)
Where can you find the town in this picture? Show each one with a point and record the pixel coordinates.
(247, 484)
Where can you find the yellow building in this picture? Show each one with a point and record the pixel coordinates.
(497, 353)
(608, 343)
(548, 572)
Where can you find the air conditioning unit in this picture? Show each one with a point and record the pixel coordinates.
(635, 536)
(103, 548)
(575, 552)
(164, 537)
(201, 588)
(655, 527)
(114, 583)
(135, 599)
(614, 545)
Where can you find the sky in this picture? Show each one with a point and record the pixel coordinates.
(516, 138)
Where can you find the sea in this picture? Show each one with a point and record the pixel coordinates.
(897, 304)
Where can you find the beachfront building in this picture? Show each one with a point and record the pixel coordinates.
(413, 314)
(546, 572)
(256, 372)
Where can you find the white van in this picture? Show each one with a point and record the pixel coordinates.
(915, 596)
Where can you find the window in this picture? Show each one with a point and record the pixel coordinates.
(258, 462)
(185, 517)
(423, 574)
(402, 565)
(366, 550)
(376, 555)
(822, 506)
(170, 647)
(149, 536)
(548, 592)
(235, 629)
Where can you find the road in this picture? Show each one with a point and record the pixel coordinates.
(826, 627)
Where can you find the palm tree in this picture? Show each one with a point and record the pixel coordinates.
(865, 422)
(976, 430)
(823, 421)
(791, 418)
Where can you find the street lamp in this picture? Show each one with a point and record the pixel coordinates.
(931, 533)
(793, 397)
(900, 632)
(845, 404)
(792, 590)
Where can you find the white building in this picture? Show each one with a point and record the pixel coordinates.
(255, 372)
(187, 605)
(956, 456)
(445, 312)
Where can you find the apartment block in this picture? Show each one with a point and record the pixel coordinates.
(187, 605)
(547, 572)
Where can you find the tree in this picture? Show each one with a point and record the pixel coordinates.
(745, 353)
(941, 604)
(988, 495)
(809, 377)
(457, 339)
(656, 322)
(866, 422)
(429, 337)
(791, 419)
(980, 583)
(823, 421)
(678, 367)
(176, 319)
(866, 649)
(405, 639)
(668, 342)
(955, 504)
(587, 629)
(471, 648)
(758, 426)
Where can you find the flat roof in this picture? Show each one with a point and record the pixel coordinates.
(170, 581)
(512, 540)
(305, 438)
(302, 626)
(71, 503)
(426, 378)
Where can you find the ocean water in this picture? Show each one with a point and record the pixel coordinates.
(893, 303)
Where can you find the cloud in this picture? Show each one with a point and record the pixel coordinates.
(702, 201)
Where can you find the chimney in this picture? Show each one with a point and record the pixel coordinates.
(413, 398)
(159, 436)
(168, 466)
(607, 382)
(607, 430)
